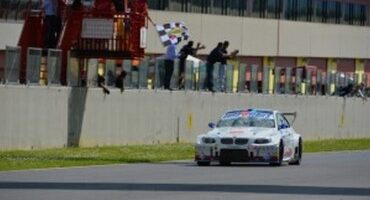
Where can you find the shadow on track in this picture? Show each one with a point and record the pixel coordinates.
(177, 187)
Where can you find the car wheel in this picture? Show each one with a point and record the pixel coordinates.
(298, 154)
(203, 163)
(281, 155)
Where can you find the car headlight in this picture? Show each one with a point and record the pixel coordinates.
(208, 140)
(262, 141)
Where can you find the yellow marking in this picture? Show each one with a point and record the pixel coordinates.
(332, 68)
(341, 120)
(190, 121)
(270, 61)
(360, 69)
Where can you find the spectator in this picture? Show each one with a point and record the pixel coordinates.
(213, 57)
(185, 51)
(120, 80)
(101, 83)
(359, 90)
(169, 61)
(222, 69)
(52, 22)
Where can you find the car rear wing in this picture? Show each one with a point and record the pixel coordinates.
(290, 115)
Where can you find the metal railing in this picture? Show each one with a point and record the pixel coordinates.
(149, 74)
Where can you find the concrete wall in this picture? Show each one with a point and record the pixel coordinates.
(10, 33)
(33, 117)
(252, 36)
(41, 117)
(268, 37)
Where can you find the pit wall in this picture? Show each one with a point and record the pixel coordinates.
(55, 117)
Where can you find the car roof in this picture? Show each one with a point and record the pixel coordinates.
(255, 109)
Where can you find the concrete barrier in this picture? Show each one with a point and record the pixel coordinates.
(46, 117)
(33, 117)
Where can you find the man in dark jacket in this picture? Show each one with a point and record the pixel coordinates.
(215, 56)
(222, 69)
(185, 51)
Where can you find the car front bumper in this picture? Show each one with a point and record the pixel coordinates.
(234, 153)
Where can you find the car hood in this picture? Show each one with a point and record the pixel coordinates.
(246, 132)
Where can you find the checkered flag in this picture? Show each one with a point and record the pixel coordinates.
(172, 33)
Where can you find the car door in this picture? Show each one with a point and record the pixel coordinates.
(286, 132)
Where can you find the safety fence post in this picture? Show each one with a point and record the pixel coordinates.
(12, 65)
(33, 66)
(159, 73)
(288, 80)
(266, 79)
(253, 83)
(241, 79)
(308, 82)
(188, 79)
(202, 71)
(298, 81)
(143, 73)
(54, 64)
(277, 80)
(228, 78)
(216, 77)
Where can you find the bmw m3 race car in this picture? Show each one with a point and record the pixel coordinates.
(252, 135)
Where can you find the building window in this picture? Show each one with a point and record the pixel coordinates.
(158, 4)
(324, 11)
(348, 13)
(23, 8)
(4, 6)
(274, 8)
(176, 5)
(304, 10)
(258, 8)
(320, 11)
(291, 8)
(358, 15)
(331, 12)
(196, 6)
(338, 11)
(237, 7)
(206, 5)
(13, 10)
(363, 14)
(217, 7)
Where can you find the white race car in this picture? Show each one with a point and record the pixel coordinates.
(252, 135)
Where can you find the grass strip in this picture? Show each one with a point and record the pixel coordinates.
(68, 157)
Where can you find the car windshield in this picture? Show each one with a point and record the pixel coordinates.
(247, 118)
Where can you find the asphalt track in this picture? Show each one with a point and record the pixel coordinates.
(343, 175)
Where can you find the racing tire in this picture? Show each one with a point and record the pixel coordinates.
(298, 154)
(281, 155)
(203, 163)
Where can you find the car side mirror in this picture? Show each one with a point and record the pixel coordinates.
(211, 125)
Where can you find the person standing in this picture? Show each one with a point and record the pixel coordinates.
(169, 62)
(213, 57)
(222, 69)
(185, 51)
(50, 8)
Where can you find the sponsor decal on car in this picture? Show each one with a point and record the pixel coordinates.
(288, 152)
(236, 131)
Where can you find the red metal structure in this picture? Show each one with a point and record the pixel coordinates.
(81, 39)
